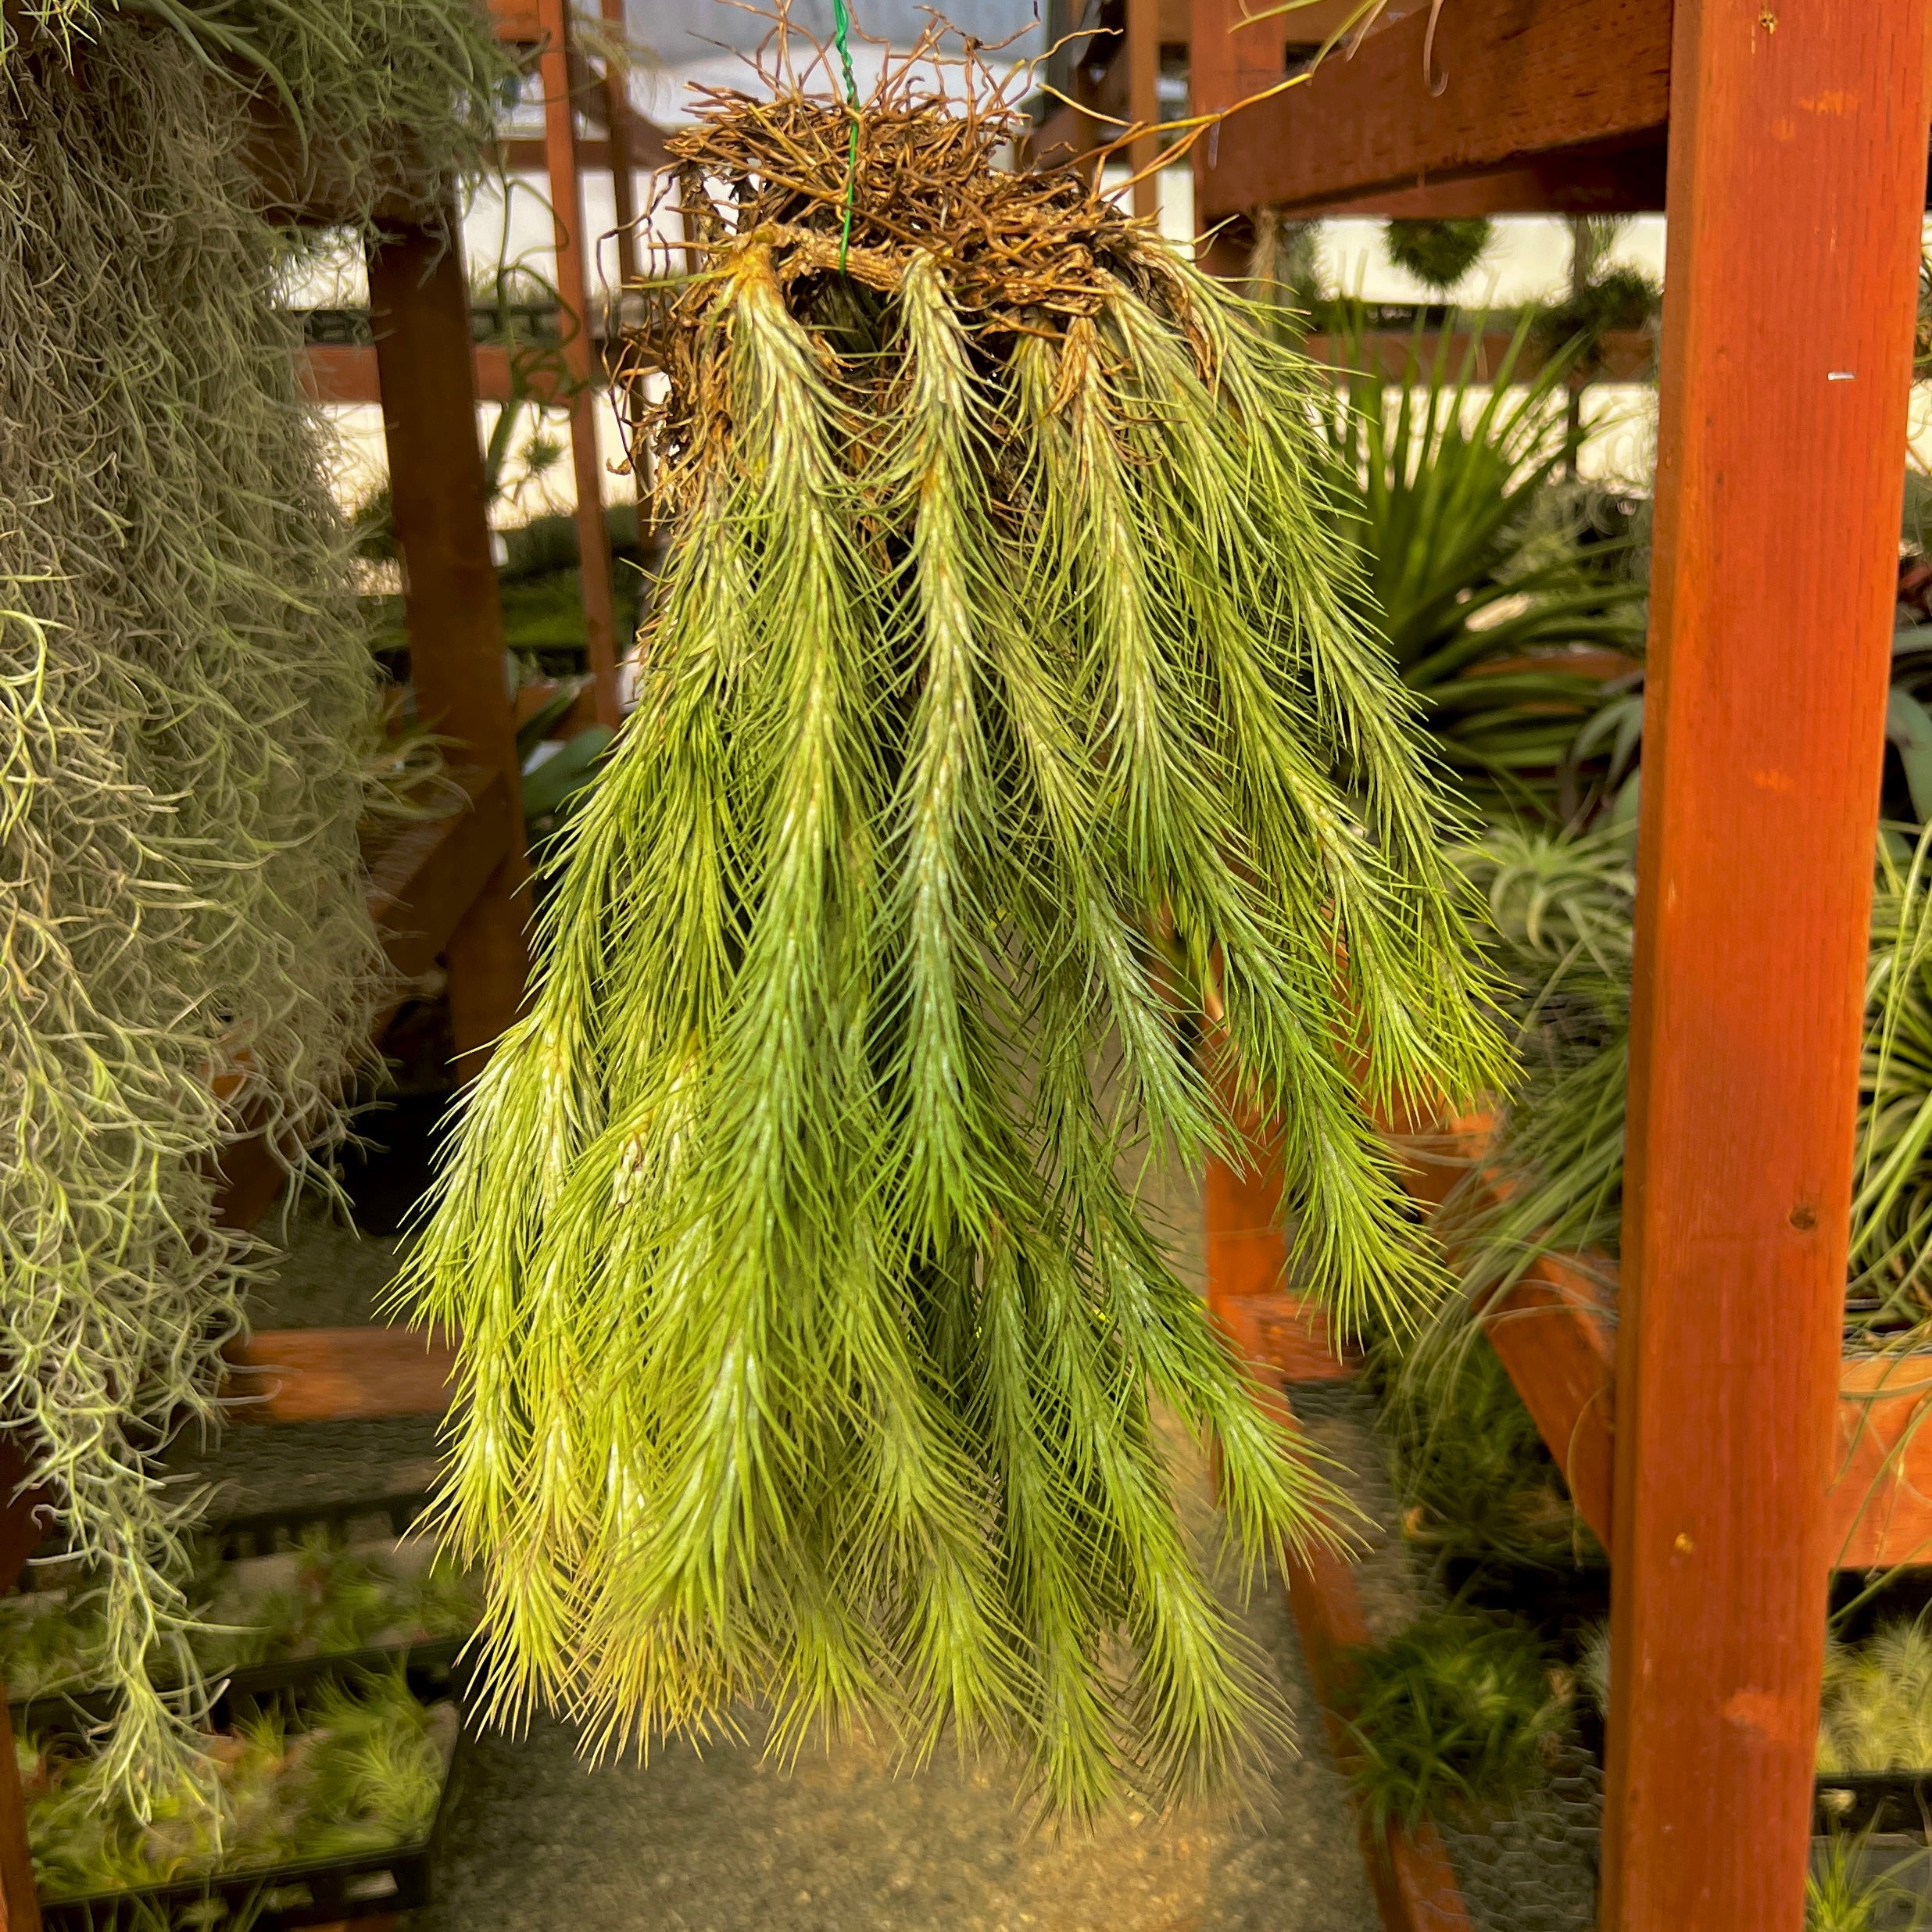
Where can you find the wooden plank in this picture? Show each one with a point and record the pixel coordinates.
(1246, 1254)
(1414, 1883)
(1247, 1262)
(339, 1375)
(22, 1518)
(1879, 1512)
(1559, 1348)
(419, 314)
(426, 875)
(1549, 1334)
(1143, 102)
(1288, 1333)
(1520, 78)
(1409, 1870)
(643, 137)
(1797, 168)
(347, 373)
(21, 1526)
(1622, 178)
(517, 23)
(580, 355)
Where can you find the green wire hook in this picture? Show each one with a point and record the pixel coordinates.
(841, 30)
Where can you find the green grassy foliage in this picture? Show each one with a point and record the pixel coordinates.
(1455, 1714)
(1564, 907)
(1478, 577)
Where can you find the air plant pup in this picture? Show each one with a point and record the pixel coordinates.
(809, 1328)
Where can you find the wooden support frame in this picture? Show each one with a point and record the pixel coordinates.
(580, 353)
(420, 311)
(1745, 1456)
(1563, 100)
(1797, 167)
(1285, 1341)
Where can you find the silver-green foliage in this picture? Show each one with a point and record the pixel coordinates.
(185, 694)
(808, 1325)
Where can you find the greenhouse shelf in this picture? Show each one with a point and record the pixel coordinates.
(1552, 1335)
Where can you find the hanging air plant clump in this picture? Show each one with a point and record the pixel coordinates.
(809, 1325)
(186, 698)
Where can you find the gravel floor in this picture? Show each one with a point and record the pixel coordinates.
(724, 1842)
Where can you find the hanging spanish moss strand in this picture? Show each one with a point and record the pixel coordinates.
(186, 697)
(810, 1331)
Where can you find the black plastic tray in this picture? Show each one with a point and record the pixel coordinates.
(1881, 1801)
(432, 1667)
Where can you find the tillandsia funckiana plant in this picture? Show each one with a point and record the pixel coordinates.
(185, 695)
(1877, 1714)
(1500, 620)
(808, 1324)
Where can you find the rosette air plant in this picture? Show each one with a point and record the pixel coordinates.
(1005, 657)
(187, 700)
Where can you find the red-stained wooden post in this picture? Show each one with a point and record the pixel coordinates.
(580, 352)
(1143, 99)
(1797, 168)
(419, 313)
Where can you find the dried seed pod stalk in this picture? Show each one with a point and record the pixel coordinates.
(809, 1328)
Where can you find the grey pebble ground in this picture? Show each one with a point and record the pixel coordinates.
(536, 1841)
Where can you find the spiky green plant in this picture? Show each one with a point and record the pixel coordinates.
(1456, 1713)
(359, 1768)
(1483, 597)
(808, 1323)
(1876, 1713)
(372, 1778)
(1839, 1897)
(185, 698)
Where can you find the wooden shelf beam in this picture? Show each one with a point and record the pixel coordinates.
(1559, 100)
(347, 373)
(1284, 1341)
(340, 1375)
(1797, 169)
(1554, 1339)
